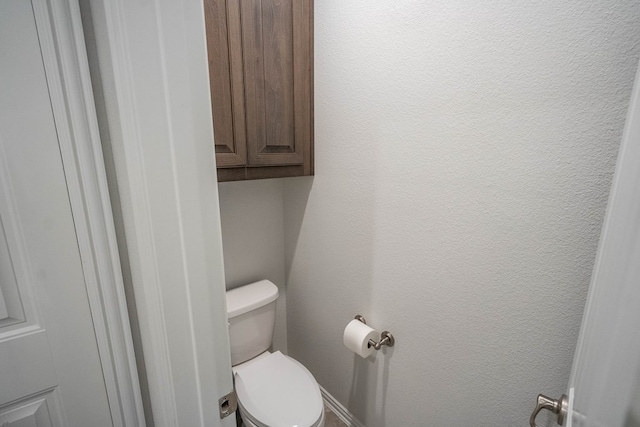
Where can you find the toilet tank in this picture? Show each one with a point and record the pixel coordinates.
(251, 312)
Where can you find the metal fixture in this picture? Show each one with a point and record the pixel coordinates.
(558, 407)
(228, 404)
(385, 337)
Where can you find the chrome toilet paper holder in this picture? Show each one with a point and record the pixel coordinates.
(385, 337)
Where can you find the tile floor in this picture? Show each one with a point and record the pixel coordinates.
(331, 419)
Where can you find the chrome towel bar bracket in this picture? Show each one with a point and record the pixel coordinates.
(386, 339)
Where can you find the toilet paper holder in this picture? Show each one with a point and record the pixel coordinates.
(385, 337)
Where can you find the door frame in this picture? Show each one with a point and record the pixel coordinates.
(152, 63)
(607, 357)
(59, 28)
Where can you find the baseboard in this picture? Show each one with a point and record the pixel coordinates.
(340, 411)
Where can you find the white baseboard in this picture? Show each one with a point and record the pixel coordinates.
(340, 411)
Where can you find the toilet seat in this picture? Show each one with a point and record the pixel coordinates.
(278, 391)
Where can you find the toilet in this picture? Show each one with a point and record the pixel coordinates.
(274, 390)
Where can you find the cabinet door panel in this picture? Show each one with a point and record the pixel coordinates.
(278, 76)
(269, 35)
(224, 48)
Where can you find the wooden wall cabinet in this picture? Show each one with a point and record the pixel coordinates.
(261, 79)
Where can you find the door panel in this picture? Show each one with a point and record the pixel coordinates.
(49, 362)
(35, 411)
(11, 308)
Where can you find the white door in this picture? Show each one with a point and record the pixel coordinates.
(605, 379)
(50, 370)
(151, 63)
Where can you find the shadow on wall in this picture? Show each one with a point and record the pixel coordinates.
(365, 375)
(463, 161)
(350, 252)
(253, 240)
(294, 215)
(352, 276)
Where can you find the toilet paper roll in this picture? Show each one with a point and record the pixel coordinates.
(356, 338)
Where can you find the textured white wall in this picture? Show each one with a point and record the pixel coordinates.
(253, 240)
(464, 152)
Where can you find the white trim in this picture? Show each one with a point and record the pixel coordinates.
(156, 347)
(340, 411)
(64, 56)
(153, 63)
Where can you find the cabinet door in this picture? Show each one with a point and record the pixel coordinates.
(260, 67)
(277, 71)
(224, 46)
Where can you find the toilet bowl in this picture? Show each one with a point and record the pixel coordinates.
(274, 390)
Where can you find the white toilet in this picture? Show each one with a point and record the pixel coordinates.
(273, 390)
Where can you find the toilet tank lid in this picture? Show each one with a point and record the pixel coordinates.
(249, 297)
